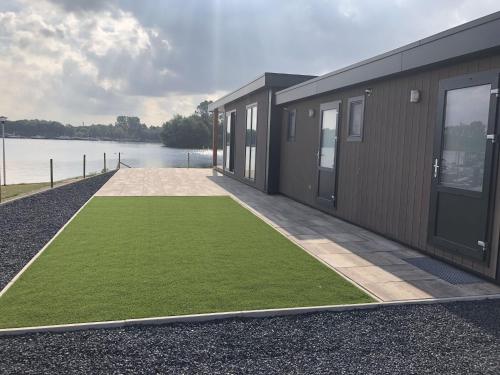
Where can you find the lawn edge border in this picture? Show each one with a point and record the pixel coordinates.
(276, 228)
(37, 255)
(245, 314)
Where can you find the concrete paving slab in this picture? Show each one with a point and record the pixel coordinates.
(369, 274)
(398, 291)
(407, 253)
(345, 260)
(407, 272)
(381, 258)
(345, 237)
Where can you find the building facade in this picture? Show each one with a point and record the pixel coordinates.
(250, 125)
(404, 144)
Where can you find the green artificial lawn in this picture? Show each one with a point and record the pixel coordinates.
(135, 257)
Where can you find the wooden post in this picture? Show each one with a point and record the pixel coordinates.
(119, 159)
(104, 162)
(51, 174)
(84, 162)
(215, 138)
(188, 160)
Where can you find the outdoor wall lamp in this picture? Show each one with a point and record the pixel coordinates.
(414, 96)
(311, 112)
(368, 92)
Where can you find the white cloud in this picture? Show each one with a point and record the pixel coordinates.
(55, 64)
(115, 32)
(163, 108)
(90, 60)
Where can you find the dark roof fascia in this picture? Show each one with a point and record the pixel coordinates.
(250, 87)
(266, 80)
(472, 37)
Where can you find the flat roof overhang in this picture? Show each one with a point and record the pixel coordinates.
(275, 80)
(470, 38)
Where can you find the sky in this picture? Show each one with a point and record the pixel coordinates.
(87, 61)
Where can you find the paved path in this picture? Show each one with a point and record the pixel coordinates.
(162, 181)
(381, 267)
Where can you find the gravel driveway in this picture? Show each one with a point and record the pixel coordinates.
(27, 224)
(457, 338)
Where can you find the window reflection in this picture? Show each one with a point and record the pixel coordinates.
(229, 149)
(250, 142)
(291, 125)
(355, 118)
(328, 136)
(464, 144)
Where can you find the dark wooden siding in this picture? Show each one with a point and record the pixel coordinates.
(384, 181)
(262, 99)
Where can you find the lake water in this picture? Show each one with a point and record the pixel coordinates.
(27, 160)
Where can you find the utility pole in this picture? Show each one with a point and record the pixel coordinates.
(2, 120)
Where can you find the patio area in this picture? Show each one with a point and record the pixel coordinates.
(139, 257)
(385, 269)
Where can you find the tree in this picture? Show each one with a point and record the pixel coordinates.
(132, 127)
(194, 131)
(185, 132)
(202, 111)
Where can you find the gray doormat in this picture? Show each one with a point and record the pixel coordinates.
(444, 271)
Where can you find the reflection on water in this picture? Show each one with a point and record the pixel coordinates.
(27, 160)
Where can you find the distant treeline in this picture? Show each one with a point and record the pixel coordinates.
(194, 131)
(124, 129)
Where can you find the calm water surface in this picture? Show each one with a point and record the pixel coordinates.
(27, 160)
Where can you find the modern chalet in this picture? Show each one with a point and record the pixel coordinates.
(250, 127)
(404, 144)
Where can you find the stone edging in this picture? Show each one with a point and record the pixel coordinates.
(267, 313)
(26, 266)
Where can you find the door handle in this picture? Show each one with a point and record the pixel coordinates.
(436, 167)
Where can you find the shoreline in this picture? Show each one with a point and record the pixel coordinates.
(82, 139)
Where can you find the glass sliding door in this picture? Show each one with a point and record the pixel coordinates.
(250, 141)
(229, 141)
(220, 141)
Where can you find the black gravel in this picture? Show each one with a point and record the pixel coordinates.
(457, 338)
(27, 224)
